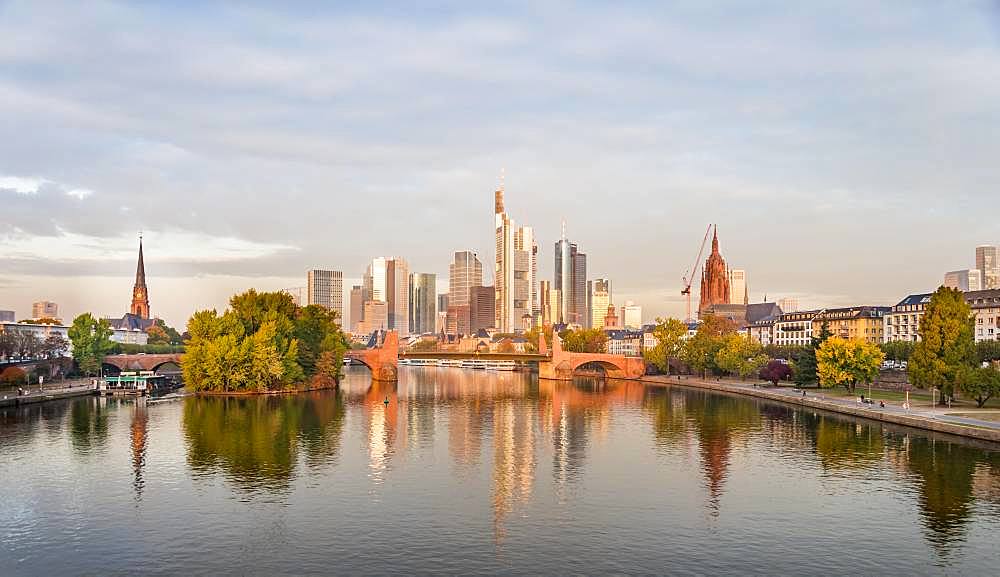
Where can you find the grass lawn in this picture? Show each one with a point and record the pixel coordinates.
(918, 398)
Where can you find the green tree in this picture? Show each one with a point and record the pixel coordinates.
(947, 346)
(91, 340)
(584, 340)
(898, 350)
(804, 369)
(699, 352)
(847, 362)
(156, 335)
(532, 337)
(669, 335)
(980, 384)
(740, 355)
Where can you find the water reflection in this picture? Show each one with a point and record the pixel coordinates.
(256, 440)
(88, 424)
(137, 433)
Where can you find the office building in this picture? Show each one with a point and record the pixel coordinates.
(571, 281)
(988, 263)
(631, 317)
(44, 310)
(423, 302)
(789, 305)
(358, 299)
(376, 317)
(515, 268)
(964, 280)
(599, 297)
(482, 314)
(739, 291)
(387, 280)
(326, 289)
(7, 316)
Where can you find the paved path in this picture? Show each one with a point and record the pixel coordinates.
(51, 391)
(924, 417)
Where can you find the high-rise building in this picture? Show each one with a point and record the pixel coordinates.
(326, 289)
(599, 293)
(571, 281)
(544, 290)
(739, 291)
(714, 278)
(631, 317)
(50, 310)
(988, 263)
(464, 272)
(140, 295)
(514, 271)
(964, 280)
(788, 305)
(555, 305)
(423, 305)
(357, 306)
(7, 316)
(387, 280)
(482, 300)
(376, 315)
(442, 302)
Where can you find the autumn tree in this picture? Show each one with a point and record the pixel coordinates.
(584, 340)
(947, 346)
(669, 335)
(91, 340)
(740, 355)
(847, 362)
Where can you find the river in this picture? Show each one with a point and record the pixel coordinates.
(458, 471)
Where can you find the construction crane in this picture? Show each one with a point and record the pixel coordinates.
(692, 272)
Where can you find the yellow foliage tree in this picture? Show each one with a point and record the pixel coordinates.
(847, 362)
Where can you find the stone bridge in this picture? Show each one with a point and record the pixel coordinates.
(165, 363)
(559, 365)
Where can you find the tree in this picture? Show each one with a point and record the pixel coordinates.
(584, 340)
(91, 340)
(669, 335)
(847, 362)
(740, 355)
(775, 371)
(947, 346)
(699, 351)
(532, 337)
(13, 376)
(424, 346)
(898, 350)
(54, 346)
(157, 335)
(980, 384)
(805, 368)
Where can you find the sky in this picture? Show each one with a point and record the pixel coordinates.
(848, 151)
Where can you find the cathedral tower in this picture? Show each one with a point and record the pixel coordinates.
(140, 296)
(714, 278)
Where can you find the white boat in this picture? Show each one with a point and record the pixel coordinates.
(476, 365)
(422, 362)
(449, 363)
(499, 365)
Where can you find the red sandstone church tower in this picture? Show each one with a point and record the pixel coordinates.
(140, 297)
(714, 278)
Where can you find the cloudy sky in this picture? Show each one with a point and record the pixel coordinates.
(849, 151)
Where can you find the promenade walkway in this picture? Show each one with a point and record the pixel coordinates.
(50, 391)
(935, 419)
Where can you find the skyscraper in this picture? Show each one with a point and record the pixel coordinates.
(464, 273)
(739, 292)
(387, 280)
(423, 305)
(544, 294)
(326, 289)
(140, 295)
(357, 306)
(481, 308)
(788, 305)
(988, 263)
(714, 278)
(631, 317)
(964, 280)
(515, 252)
(571, 281)
(600, 297)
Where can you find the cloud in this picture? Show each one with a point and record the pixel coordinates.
(21, 184)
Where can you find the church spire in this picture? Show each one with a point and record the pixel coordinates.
(140, 296)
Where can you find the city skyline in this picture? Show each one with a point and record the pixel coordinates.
(673, 130)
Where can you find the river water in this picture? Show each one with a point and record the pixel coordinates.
(466, 472)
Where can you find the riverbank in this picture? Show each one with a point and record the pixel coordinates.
(291, 391)
(52, 392)
(937, 420)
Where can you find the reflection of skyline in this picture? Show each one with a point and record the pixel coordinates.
(514, 460)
